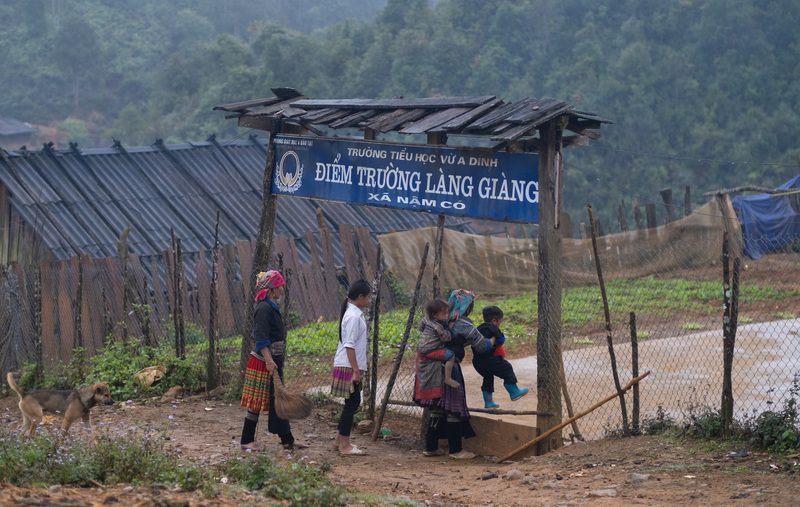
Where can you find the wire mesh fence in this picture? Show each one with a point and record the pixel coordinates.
(676, 308)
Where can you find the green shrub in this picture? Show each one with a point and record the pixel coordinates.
(119, 454)
(296, 483)
(120, 361)
(776, 431)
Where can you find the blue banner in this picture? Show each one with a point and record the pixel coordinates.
(468, 182)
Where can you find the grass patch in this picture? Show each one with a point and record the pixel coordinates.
(692, 326)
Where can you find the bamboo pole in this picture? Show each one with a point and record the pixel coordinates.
(567, 399)
(635, 373)
(609, 340)
(402, 347)
(568, 421)
(212, 362)
(372, 309)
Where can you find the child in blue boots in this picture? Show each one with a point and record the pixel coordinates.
(493, 363)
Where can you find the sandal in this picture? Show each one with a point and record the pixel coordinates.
(437, 452)
(462, 455)
(355, 451)
(253, 447)
(294, 446)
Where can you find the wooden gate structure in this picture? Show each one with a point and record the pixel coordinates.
(510, 127)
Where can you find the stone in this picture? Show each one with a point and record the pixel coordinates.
(634, 477)
(602, 493)
(514, 475)
(365, 426)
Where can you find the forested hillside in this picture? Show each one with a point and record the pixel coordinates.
(702, 93)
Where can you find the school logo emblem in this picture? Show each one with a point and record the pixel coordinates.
(290, 173)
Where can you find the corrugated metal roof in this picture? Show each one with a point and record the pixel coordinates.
(13, 127)
(80, 201)
(484, 116)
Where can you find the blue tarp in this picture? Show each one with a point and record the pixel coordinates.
(769, 223)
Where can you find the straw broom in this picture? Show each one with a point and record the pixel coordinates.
(289, 405)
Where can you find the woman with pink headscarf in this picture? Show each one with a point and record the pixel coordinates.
(269, 337)
(449, 414)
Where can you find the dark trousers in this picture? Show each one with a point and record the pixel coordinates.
(443, 426)
(351, 406)
(275, 424)
(490, 367)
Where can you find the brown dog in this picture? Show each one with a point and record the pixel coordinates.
(74, 404)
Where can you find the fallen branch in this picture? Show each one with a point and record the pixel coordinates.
(569, 421)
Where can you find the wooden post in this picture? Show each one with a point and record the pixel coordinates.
(79, 309)
(212, 362)
(635, 373)
(123, 259)
(621, 218)
(38, 372)
(666, 195)
(402, 347)
(437, 258)
(729, 325)
(372, 310)
(609, 340)
(687, 202)
(548, 372)
(567, 399)
(637, 216)
(180, 346)
(650, 210)
(263, 249)
(373, 367)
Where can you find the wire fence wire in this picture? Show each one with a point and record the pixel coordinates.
(677, 308)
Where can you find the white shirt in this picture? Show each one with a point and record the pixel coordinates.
(354, 336)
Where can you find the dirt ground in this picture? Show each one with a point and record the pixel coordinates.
(646, 470)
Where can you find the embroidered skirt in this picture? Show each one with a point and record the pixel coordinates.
(453, 400)
(342, 382)
(257, 385)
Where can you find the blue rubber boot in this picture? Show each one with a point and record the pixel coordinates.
(487, 400)
(515, 392)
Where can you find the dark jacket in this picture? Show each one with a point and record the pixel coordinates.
(489, 331)
(267, 325)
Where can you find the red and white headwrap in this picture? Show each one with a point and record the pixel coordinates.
(265, 281)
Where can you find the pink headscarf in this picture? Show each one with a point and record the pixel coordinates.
(265, 281)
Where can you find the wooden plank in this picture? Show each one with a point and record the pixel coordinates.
(160, 313)
(245, 251)
(328, 308)
(227, 327)
(463, 119)
(169, 280)
(314, 298)
(353, 119)
(291, 273)
(203, 288)
(370, 251)
(429, 103)
(91, 311)
(247, 104)
(112, 282)
(302, 295)
(49, 346)
(66, 317)
(272, 109)
(331, 280)
(434, 120)
(536, 108)
(331, 115)
(498, 115)
(351, 264)
(140, 295)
